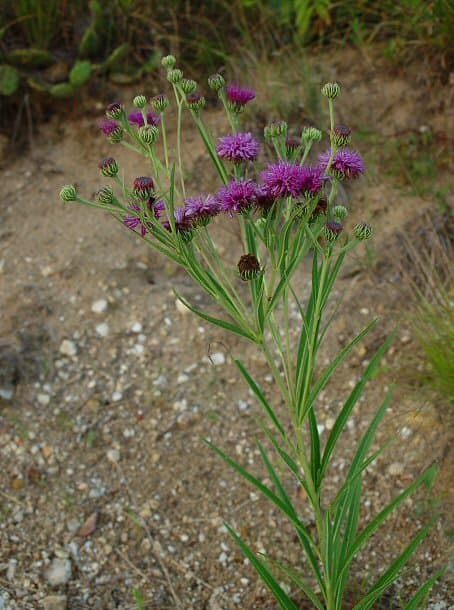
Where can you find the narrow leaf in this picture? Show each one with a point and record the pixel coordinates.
(421, 593)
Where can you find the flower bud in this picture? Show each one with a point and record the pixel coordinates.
(195, 101)
(341, 135)
(105, 195)
(331, 90)
(168, 61)
(340, 213)
(188, 85)
(108, 167)
(174, 76)
(275, 130)
(159, 102)
(116, 135)
(311, 134)
(216, 82)
(249, 267)
(143, 187)
(362, 231)
(332, 230)
(115, 110)
(148, 134)
(140, 101)
(68, 193)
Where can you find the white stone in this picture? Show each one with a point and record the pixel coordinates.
(217, 358)
(117, 396)
(54, 602)
(68, 348)
(99, 306)
(182, 378)
(113, 455)
(59, 572)
(43, 399)
(102, 329)
(136, 327)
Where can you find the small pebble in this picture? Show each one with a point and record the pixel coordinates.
(117, 396)
(59, 572)
(395, 469)
(217, 358)
(43, 399)
(136, 327)
(68, 348)
(54, 602)
(99, 306)
(113, 455)
(102, 329)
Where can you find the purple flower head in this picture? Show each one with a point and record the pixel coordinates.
(239, 96)
(159, 209)
(312, 180)
(201, 209)
(284, 179)
(183, 224)
(238, 147)
(264, 200)
(237, 196)
(108, 127)
(133, 221)
(136, 118)
(346, 164)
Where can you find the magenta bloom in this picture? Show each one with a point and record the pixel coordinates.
(264, 200)
(201, 209)
(108, 126)
(159, 209)
(238, 147)
(239, 96)
(133, 221)
(346, 165)
(237, 196)
(285, 179)
(136, 118)
(312, 180)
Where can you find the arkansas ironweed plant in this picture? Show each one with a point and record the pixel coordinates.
(287, 211)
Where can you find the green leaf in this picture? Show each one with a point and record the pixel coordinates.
(216, 321)
(9, 80)
(90, 43)
(283, 599)
(62, 90)
(30, 58)
(343, 416)
(392, 572)
(116, 57)
(299, 582)
(261, 398)
(80, 73)
(421, 593)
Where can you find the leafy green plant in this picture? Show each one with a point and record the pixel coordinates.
(286, 213)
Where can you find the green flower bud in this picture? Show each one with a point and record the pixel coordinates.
(159, 103)
(332, 230)
(311, 134)
(168, 61)
(174, 76)
(116, 135)
(275, 130)
(108, 167)
(331, 90)
(195, 101)
(188, 85)
(148, 134)
(249, 267)
(105, 195)
(362, 231)
(68, 193)
(216, 82)
(115, 110)
(340, 213)
(140, 101)
(341, 135)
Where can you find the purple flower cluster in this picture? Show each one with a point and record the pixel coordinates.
(201, 209)
(346, 164)
(239, 96)
(108, 127)
(286, 179)
(238, 147)
(133, 221)
(237, 196)
(136, 118)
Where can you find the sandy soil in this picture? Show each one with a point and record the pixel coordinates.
(107, 485)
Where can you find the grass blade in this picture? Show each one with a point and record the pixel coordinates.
(421, 593)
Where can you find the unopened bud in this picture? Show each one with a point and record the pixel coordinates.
(216, 82)
(115, 110)
(159, 102)
(311, 134)
(362, 231)
(105, 195)
(174, 76)
(108, 167)
(275, 130)
(188, 86)
(68, 193)
(148, 134)
(331, 90)
(143, 187)
(341, 135)
(116, 135)
(340, 213)
(249, 267)
(140, 101)
(332, 230)
(195, 101)
(168, 61)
